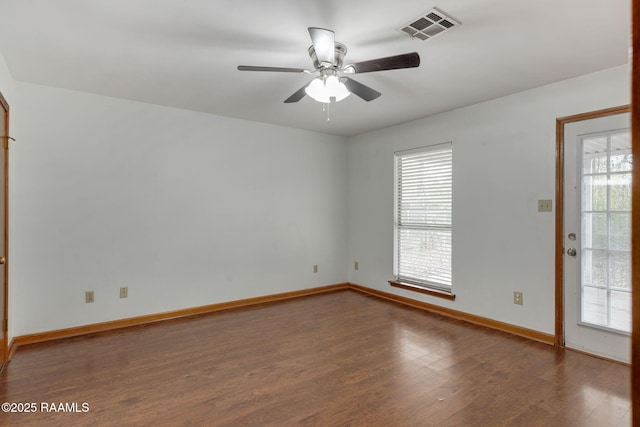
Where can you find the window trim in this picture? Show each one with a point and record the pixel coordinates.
(425, 287)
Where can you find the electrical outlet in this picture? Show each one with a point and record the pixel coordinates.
(88, 297)
(315, 268)
(124, 292)
(517, 298)
(356, 266)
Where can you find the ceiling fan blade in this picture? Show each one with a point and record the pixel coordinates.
(363, 91)
(277, 69)
(297, 96)
(407, 60)
(324, 43)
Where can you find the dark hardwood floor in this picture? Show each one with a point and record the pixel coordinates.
(336, 359)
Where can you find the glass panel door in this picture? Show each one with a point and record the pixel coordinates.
(597, 217)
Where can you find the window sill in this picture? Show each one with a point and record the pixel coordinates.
(424, 290)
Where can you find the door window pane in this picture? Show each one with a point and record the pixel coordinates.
(619, 229)
(594, 158)
(620, 267)
(620, 190)
(594, 231)
(595, 268)
(621, 310)
(594, 193)
(594, 305)
(620, 159)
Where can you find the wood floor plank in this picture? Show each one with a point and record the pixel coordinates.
(341, 358)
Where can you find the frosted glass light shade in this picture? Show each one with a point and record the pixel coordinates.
(327, 90)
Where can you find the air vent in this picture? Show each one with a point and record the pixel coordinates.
(429, 25)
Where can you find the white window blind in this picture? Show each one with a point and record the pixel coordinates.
(423, 216)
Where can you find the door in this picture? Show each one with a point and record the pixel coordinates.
(597, 236)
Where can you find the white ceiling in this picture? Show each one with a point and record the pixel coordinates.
(184, 53)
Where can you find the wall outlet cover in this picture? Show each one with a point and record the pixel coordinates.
(517, 298)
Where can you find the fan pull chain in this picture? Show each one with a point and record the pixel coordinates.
(325, 108)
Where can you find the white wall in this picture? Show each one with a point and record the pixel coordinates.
(6, 81)
(504, 161)
(184, 208)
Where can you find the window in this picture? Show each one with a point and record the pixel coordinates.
(423, 217)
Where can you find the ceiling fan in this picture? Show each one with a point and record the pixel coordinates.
(331, 86)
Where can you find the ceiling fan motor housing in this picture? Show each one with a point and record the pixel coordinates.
(340, 52)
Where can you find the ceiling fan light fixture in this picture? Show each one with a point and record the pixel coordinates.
(327, 89)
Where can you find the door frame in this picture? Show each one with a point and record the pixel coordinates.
(559, 238)
(635, 207)
(4, 356)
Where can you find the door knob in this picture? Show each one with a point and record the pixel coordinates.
(571, 252)
(2, 260)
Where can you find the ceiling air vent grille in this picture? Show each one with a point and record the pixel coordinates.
(429, 25)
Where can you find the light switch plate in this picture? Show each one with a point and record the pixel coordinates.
(545, 205)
